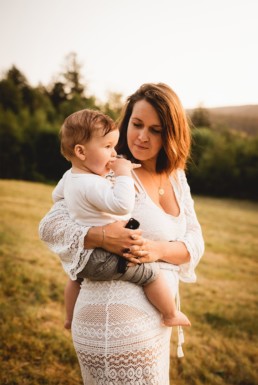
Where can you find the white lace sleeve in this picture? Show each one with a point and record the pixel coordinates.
(65, 238)
(193, 238)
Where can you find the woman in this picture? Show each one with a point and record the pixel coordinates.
(117, 333)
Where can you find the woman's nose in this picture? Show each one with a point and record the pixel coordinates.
(143, 135)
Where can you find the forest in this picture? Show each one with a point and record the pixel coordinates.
(223, 162)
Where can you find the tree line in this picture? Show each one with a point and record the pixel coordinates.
(223, 163)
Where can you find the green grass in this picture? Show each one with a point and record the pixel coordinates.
(221, 346)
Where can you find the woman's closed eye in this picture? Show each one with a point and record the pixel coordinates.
(151, 129)
(155, 130)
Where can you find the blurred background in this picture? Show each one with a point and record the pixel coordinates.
(60, 56)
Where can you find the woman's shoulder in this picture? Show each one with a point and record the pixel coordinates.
(179, 176)
(180, 183)
(180, 173)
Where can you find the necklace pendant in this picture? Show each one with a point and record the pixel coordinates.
(161, 191)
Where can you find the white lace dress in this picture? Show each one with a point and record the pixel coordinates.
(117, 333)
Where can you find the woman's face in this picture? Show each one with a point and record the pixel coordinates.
(144, 133)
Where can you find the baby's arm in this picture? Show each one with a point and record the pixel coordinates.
(121, 197)
(116, 199)
(58, 192)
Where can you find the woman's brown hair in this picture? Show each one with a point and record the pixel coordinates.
(175, 129)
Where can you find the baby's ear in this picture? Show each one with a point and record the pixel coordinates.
(79, 151)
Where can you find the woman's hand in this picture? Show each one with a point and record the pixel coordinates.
(151, 251)
(148, 251)
(114, 238)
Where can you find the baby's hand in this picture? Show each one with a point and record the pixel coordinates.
(122, 166)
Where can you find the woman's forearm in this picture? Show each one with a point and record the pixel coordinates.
(152, 251)
(94, 238)
(174, 252)
(113, 237)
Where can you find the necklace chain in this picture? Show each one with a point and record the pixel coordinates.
(161, 190)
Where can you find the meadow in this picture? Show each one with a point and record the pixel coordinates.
(221, 347)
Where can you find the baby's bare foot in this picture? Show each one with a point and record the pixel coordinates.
(178, 319)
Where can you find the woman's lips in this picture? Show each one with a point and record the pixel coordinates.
(140, 147)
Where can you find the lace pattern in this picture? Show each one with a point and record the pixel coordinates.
(192, 238)
(117, 333)
(118, 337)
(65, 238)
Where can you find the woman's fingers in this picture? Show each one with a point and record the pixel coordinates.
(117, 237)
(136, 254)
(144, 252)
(139, 249)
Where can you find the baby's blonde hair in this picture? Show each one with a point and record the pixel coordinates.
(79, 127)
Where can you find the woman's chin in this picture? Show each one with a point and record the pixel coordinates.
(139, 155)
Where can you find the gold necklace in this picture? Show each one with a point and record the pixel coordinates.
(161, 190)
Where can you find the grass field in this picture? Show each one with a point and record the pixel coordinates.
(221, 346)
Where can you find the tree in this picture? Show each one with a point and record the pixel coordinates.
(72, 76)
(113, 106)
(16, 77)
(10, 96)
(11, 157)
(57, 94)
(50, 163)
(200, 117)
(67, 94)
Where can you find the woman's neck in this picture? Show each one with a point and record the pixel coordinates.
(149, 167)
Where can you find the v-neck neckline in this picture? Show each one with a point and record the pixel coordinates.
(140, 188)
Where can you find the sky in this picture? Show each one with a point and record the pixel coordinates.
(206, 50)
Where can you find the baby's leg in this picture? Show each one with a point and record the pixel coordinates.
(159, 294)
(71, 293)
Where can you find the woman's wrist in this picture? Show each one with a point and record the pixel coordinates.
(94, 238)
(103, 237)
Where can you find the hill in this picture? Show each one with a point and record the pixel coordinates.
(239, 118)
